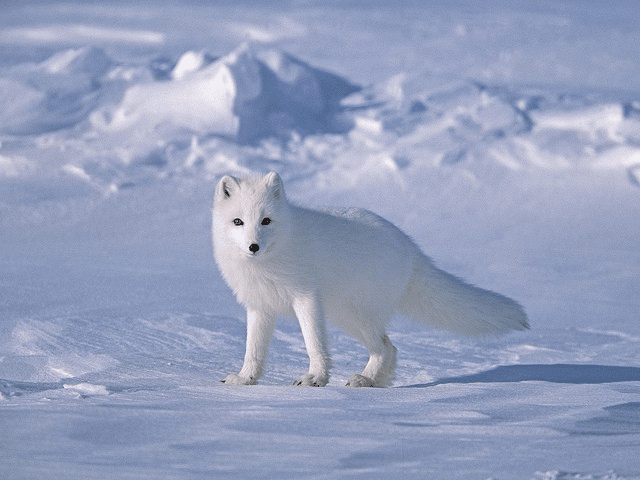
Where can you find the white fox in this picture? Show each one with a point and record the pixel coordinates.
(346, 265)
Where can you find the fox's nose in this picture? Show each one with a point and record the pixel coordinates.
(254, 247)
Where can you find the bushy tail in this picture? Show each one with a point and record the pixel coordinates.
(444, 301)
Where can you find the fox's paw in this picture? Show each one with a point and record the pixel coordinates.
(235, 379)
(356, 381)
(309, 380)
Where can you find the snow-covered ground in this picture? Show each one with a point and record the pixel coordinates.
(504, 136)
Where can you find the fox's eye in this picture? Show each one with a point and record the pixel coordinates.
(238, 222)
(266, 221)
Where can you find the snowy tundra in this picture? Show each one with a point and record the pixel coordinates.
(347, 265)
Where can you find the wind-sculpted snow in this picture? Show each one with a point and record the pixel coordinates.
(245, 95)
(57, 93)
(120, 125)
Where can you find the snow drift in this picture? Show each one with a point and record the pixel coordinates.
(218, 114)
(245, 95)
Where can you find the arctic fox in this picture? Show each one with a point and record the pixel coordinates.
(349, 266)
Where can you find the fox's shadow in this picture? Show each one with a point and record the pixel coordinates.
(555, 373)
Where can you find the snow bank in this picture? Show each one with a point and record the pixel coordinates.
(220, 114)
(248, 94)
(57, 93)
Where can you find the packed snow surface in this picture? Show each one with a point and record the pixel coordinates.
(504, 137)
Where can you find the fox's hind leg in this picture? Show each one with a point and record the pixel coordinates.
(379, 371)
(366, 322)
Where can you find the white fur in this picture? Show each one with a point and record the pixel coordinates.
(346, 265)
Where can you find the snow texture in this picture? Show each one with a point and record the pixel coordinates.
(504, 137)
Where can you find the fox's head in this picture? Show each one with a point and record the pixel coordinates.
(250, 214)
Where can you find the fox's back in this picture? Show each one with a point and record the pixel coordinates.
(352, 252)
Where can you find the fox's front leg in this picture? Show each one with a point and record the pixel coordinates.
(309, 312)
(260, 327)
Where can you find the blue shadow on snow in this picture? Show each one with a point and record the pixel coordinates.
(555, 373)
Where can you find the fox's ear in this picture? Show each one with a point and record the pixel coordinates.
(274, 182)
(227, 187)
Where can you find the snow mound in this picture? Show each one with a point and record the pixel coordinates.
(55, 94)
(257, 107)
(488, 129)
(248, 94)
